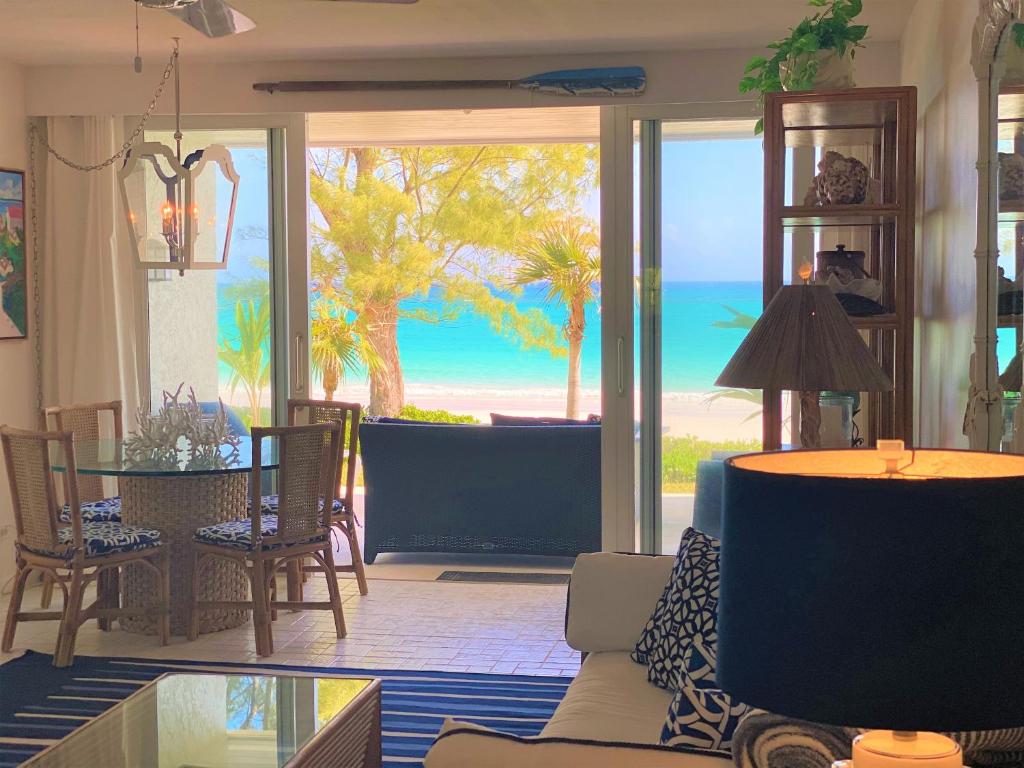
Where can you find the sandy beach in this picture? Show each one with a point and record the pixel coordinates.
(683, 413)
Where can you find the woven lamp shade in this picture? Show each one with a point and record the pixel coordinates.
(804, 342)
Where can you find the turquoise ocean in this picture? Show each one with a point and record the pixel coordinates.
(467, 352)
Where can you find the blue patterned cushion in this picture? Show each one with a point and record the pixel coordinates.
(102, 511)
(107, 539)
(686, 611)
(700, 716)
(269, 505)
(237, 534)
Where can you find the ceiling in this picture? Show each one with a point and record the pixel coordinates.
(39, 32)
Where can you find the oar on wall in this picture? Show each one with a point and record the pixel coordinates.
(602, 81)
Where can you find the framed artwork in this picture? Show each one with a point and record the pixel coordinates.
(13, 282)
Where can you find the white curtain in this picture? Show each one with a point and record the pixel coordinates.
(92, 305)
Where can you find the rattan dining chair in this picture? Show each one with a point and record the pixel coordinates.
(84, 421)
(307, 478)
(343, 517)
(76, 554)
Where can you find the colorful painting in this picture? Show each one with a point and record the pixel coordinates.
(13, 282)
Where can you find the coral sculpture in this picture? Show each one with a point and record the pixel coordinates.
(840, 181)
(180, 435)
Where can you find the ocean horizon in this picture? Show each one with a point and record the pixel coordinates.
(466, 353)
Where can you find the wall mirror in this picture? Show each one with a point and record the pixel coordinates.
(995, 419)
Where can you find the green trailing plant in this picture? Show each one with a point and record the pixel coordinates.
(1018, 35)
(794, 66)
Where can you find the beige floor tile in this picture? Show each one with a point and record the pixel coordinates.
(436, 626)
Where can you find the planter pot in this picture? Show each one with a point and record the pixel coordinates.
(835, 72)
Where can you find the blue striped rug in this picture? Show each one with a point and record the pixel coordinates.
(35, 708)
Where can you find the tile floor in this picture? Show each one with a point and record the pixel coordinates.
(428, 625)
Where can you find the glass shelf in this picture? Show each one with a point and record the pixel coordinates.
(838, 215)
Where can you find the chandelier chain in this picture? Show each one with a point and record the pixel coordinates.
(130, 141)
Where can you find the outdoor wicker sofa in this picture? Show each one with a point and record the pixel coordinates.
(481, 489)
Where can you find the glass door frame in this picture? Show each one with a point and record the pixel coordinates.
(288, 233)
(619, 485)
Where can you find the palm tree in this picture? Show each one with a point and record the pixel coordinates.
(567, 258)
(250, 360)
(338, 347)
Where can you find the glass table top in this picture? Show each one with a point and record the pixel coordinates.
(208, 720)
(107, 457)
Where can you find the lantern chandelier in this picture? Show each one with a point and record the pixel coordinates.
(180, 212)
(171, 204)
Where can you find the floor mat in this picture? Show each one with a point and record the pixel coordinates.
(505, 577)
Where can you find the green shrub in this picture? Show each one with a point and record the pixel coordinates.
(679, 457)
(437, 416)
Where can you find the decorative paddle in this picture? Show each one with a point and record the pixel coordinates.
(611, 81)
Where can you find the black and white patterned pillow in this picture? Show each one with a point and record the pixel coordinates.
(687, 611)
(700, 716)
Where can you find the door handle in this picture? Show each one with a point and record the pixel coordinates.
(300, 368)
(620, 363)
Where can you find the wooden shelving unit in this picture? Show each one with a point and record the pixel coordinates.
(876, 125)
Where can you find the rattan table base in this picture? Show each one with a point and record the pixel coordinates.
(176, 506)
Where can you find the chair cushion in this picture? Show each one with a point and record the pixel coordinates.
(237, 534)
(269, 505)
(102, 511)
(107, 539)
(686, 612)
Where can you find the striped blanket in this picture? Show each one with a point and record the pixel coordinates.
(40, 704)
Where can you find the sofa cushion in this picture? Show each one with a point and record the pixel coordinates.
(468, 745)
(611, 700)
(687, 611)
(501, 420)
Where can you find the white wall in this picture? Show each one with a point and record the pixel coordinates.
(672, 77)
(17, 368)
(935, 57)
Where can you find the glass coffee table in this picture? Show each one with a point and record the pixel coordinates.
(185, 720)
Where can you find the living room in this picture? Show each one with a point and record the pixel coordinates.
(522, 289)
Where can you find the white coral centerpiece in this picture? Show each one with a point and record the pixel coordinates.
(180, 435)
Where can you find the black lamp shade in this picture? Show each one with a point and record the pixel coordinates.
(852, 597)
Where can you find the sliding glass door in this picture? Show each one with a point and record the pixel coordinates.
(693, 230)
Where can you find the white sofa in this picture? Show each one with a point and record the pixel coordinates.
(611, 715)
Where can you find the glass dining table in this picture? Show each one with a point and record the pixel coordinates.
(176, 495)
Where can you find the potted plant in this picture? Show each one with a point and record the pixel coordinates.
(818, 53)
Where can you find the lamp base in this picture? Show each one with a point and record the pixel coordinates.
(901, 749)
(810, 420)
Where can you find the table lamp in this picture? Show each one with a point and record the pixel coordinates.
(804, 342)
(876, 589)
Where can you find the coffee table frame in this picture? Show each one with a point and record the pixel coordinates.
(351, 739)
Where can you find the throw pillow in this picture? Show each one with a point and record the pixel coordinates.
(702, 717)
(687, 611)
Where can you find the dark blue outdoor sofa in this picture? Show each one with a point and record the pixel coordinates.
(481, 489)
